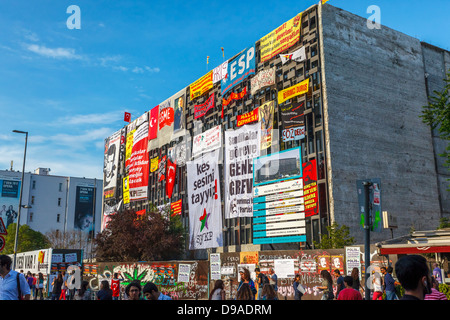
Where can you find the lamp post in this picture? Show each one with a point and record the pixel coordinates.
(20, 197)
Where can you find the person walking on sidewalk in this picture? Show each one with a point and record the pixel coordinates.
(13, 286)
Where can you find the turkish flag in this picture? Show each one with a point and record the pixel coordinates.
(170, 177)
(127, 117)
(153, 123)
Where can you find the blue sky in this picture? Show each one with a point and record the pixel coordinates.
(69, 88)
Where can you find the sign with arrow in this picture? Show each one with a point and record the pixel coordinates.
(3, 228)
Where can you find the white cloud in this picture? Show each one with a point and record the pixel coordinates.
(56, 53)
(156, 69)
(137, 70)
(93, 118)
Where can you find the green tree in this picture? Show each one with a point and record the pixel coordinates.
(337, 237)
(149, 237)
(28, 239)
(437, 115)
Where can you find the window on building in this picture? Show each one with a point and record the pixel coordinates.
(59, 202)
(34, 184)
(60, 186)
(32, 199)
(58, 217)
(30, 218)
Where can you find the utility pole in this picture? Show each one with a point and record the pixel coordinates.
(367, 226)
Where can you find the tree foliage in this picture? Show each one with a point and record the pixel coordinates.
(149, 237)
(337, 237)
(437, 115)
(28, 239)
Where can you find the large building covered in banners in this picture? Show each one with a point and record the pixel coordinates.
(264, 151)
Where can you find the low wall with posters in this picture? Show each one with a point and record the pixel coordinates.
(191, 280)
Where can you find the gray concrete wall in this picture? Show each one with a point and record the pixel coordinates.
(374, 90)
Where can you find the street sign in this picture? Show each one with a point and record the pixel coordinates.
(375, 213)
(3, 228)
(2, 243)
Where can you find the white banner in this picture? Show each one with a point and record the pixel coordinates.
(205, 210)
(262, 79)
(220, 72)
(241, 146)
(209, 140)
(298, 56)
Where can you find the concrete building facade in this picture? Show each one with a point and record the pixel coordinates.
(362, 120)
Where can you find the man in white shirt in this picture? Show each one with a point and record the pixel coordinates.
(11, 280)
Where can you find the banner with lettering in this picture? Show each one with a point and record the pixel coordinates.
(262, 79)
(201, 86)
(266, 113)
(239, 69)
(176, 207)
(293, 120)
(220, 72)
(139, 164)
(280, 39)
(207, 141)
(295, 90)
(111, 164)
(310, 188)
(234, 96)
(248, 117)
(201, 109)
(203, 195)
(297, 56)
(241, 146)
(165, 127)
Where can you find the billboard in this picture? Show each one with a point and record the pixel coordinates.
(239, 69)
(84, 209)
(9, 199)
(111, 164)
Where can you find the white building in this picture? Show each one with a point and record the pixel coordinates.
(51, 202)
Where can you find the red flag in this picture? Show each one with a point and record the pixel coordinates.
(170, 177)
(127, 117)
(153, 123)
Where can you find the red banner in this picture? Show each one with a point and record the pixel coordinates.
(170, 177)
(249, 117)
(153, 123)
(201, 109)
(310, 188)
(165, 117)
(234, 96)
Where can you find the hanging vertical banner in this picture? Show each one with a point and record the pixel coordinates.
(126, 191)
(170, 177)
(139, 164)
(239, 69)
(9, 199)
(162, 168)
(207, 141)
(241, 146)
(179, 120)
(154, 164)
(310, 188)
(153, 123)
(84, 209)
(205, 215)
(280, 39)
(111, 164)
(266, 121)
(262, 79)
(201, 109)
(165, 119)
(201, 86)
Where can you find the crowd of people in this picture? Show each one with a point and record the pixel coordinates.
(413, 275)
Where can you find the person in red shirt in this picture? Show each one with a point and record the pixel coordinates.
(349, 293)
(115, 285)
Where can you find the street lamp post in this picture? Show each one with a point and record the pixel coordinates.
(16, 238)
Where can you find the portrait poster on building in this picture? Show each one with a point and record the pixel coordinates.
(207, 141)
(204, 202)
(241, 146)
(139, 164)
(84, 209)
(239, 69)
(165, 126)
(179, 118)
(110, 165)
(266, 113)
(280, 39)
(263, 78)
(9, 200)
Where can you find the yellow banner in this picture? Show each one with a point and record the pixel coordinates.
(201, 86)
(154, 164)
(295, 90)
(283, 37)
(126, 191)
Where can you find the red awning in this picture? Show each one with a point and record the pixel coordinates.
(413, 249)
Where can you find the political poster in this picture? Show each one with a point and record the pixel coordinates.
(201, 109)
(176, 207)
(204, 201)
(239, 69)
(9, 199)
(201, 86)
(297, 56)
(241, 146)
(310, 188)
(220, 72)
(165, 119)
(111, 164)
(207, 141)
(246, 118)
(280, 39)
(153, 122)
(262, 79)
(293, 120)
(171, 171)
(266, 114)
(295, 90)
(139, 164)
(179, 118)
